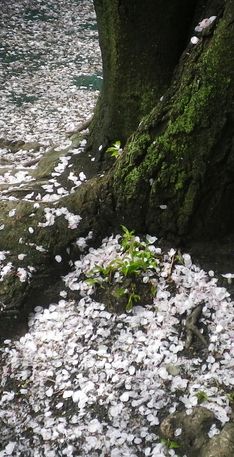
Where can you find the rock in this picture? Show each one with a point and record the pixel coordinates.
(221, 445)
(195, 427)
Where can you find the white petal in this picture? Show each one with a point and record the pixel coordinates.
(10, 448)
(194, 40)
(124, 397)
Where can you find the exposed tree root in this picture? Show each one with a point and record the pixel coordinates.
(81, 127)
(192, 328)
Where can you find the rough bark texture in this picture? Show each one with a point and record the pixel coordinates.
(182, 154)
(140, 44)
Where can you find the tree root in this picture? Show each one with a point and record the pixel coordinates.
(192, 329)
(81, 127)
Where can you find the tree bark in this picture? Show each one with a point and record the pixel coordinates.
(176, 176)
(140, 44)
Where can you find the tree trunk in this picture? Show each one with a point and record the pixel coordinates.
(140, 44)
(177, 173)
(175, 177)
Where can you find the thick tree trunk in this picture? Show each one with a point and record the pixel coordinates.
(177, 173)
(140, 44)
(175, 177)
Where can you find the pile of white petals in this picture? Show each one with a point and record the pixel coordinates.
(84, 381)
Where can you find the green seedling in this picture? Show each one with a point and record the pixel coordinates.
(231, 396)
(201, 396)
(115, 150)
(179, 259)
(119, 292)
(128, 240)
(170, 444)
(132, 300)
(135, 258)
(92, 281)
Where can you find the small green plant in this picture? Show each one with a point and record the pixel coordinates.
(128, 240)
(230, 396)
(92, 281)
(106, 272)
(153, 290)
(139, 262)
(170, 444)
(179, 259)
(133, 298)
(119, 292)
(135, 259)
(138, 255)
(201, 396)
(115, 150)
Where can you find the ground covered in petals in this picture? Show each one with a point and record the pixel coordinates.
(50, 77)
(50, 67)
(84, 381)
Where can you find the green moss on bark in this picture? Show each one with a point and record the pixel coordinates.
(177, 155)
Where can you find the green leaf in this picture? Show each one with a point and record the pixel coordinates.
(115, 149)
(170, 444)
(230, 396)
(153, 291)
(113, 152)
(92, 281)
(174, 445)
(202, 396)
(126, 231)
(132, 299)
(129, 306)
(131, 268)
(119, 292)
